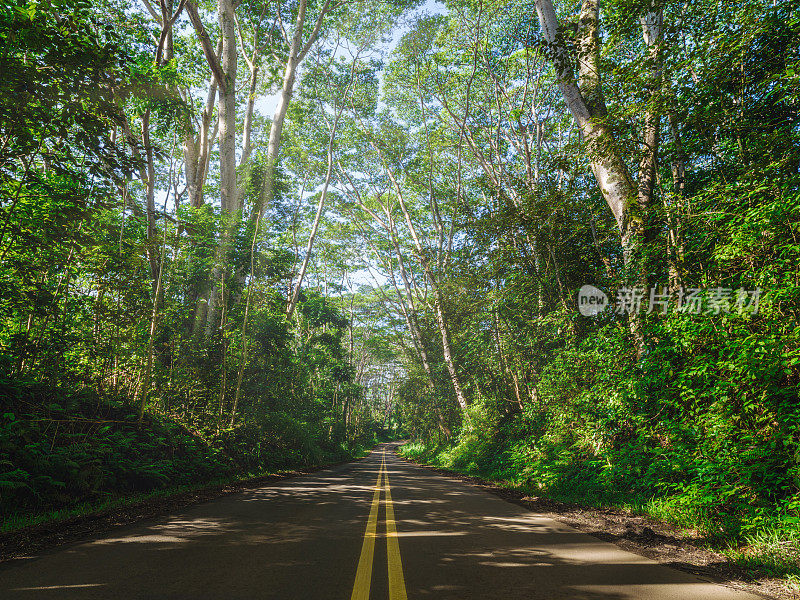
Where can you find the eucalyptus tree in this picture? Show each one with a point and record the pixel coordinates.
(493, 97)
(353, 85)
(359, 24)
(585, 98)
(299, 31)
(355, 34)
(475, 146)
(449, 85)
(383, 196)
(583, 81)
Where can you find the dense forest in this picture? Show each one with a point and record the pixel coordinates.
(554, 244)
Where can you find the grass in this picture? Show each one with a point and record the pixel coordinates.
(774, 550)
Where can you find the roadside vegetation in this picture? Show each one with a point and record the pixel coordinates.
(148, 340)
(690, 416)
(75, 452)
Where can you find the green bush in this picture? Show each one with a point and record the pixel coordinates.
(78, 447)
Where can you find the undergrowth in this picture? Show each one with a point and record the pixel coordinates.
(68, 452)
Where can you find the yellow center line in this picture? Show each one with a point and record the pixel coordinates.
(397, 584)
(364, 572)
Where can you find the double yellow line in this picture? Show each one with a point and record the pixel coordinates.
(397, 584)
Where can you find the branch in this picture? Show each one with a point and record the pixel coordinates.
(152, 11)
(166, 27)
(280, 23)
(241, 43)
(208, 49)
(315, 32)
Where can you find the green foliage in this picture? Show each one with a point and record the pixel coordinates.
(103, 284)
(60, 447)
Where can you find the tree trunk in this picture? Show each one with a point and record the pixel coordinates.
(224, 70)
(587, 105)
(278, 118)
(149, 177)
(439, 303)
(321, 204)
(243, 360)
(297, 52)
(676, 209)
(144, 389)
(585, 100)
(447, 351)
(196, 147)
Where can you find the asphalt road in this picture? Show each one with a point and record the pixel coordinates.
(374, 529)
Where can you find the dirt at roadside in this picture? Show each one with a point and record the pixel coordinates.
(644, 536)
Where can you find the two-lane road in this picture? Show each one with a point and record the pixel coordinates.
(374, 529)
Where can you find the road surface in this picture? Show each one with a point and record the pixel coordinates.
(375, 529)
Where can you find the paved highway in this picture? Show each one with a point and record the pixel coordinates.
(375, 529)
